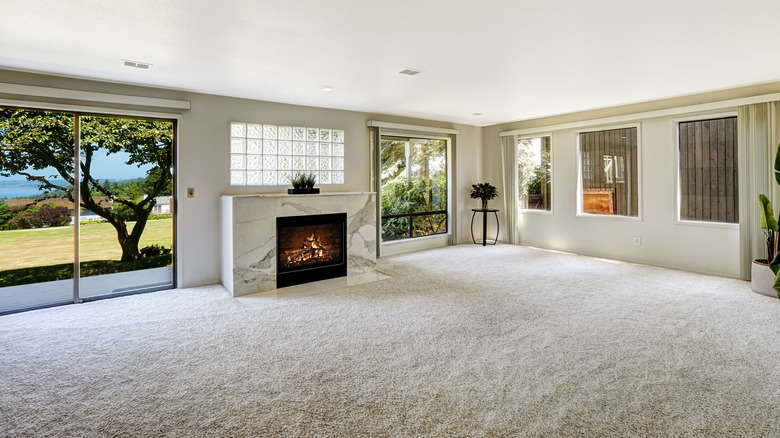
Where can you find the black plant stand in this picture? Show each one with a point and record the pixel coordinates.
(484, 225)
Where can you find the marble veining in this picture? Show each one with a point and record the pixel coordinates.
(251, 255)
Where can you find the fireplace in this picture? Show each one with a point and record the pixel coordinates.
(310, 248)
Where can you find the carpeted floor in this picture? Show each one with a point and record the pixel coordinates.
(462, 341)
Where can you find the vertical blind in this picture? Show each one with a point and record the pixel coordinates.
(708, 170)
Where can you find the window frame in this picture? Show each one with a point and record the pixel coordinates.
(677, 174)
(639, 159)
(552, 173)
(411, 136)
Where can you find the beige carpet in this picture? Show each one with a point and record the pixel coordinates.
(462, 341)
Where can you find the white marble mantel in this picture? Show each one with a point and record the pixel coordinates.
(249, 234)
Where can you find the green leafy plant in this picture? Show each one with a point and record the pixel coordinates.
(484, 191)
(770, 227)
(414, 196)
(304, 180)
(154, 250)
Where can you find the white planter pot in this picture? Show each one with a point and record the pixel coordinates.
(762, 279)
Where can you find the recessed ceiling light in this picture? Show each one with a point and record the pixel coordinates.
(136, 64)
(327, 87)
(410, 71)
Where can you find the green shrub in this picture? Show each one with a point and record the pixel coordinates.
(154, 250)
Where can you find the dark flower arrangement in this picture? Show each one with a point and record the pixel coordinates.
(485, 192)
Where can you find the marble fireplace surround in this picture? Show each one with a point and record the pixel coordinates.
(249, 234)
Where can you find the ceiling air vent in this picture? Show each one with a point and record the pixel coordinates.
(136, 64)
(409, 72)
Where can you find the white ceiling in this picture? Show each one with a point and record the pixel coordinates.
(510, 60)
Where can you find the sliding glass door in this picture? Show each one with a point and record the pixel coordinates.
(113, 214)
(36, 215)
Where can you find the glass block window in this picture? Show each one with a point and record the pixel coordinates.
(271, 155)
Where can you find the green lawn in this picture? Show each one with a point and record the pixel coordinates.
(54, 246)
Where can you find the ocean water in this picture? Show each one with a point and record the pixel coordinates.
(18, 188)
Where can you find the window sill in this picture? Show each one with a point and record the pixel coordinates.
(609, 217)
(401, 246)
(724, 225)
(532, 211)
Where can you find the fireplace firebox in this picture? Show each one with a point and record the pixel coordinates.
(310, 248)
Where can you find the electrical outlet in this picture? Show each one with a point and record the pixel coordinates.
(190, 192)
(637, 241)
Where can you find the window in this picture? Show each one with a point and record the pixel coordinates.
(534, 175)
(413, 187)
(270, 155)
(708, 170)
(608, 161)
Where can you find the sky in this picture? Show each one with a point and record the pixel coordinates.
(104, 166)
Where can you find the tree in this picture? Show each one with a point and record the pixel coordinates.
(34, 142)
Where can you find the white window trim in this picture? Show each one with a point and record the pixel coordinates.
(640, 161)
(678, 186)
(549, 212)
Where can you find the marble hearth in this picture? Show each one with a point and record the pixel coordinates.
(249, 234)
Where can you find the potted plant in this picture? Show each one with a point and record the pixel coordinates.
(485, 192)
(764, 276)
(303, 182)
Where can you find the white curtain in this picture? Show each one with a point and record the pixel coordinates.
(509, 160)
(758, 129)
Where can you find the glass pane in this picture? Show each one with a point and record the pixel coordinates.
(609, 172)
(269, 132)
(254, 162)
(254, 178)
(237, 178)
(36, 228)
(533, 173)
(237, 145)
(126, 230)
(254, 130)
(414, 181)
(254, 147)
(285, 133)
(393, 160)
(238, 129)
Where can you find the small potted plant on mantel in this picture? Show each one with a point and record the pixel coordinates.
(303, 183)
(484, 191)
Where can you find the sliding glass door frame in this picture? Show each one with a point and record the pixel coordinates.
(77, 175)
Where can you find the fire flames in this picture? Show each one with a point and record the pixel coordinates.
(312, 251)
